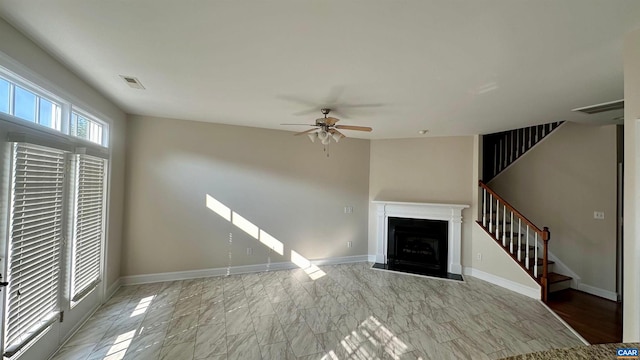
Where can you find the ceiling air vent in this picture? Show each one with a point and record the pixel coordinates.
(132, 82)
(608, 106)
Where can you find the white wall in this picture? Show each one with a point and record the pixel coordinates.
(22, 56)
(432, 169)
(631, 286)
(559, 184)
(283, 184)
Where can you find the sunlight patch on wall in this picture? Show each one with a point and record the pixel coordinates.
(245, 225)
(265, 238)
(218, 208)
(271, 242)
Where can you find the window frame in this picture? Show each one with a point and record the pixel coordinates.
(67, 108)
(14, 129)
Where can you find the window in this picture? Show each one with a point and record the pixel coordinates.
(54, 215)
(85, 128)
(24, 105)
(49, 114)
(89, 224)
(4, 96)
(35, 239)
(39, 108)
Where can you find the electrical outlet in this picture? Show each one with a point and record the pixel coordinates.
(598, 215)
(249, 251)
(479, 256)
(349, 244)
(348, 209)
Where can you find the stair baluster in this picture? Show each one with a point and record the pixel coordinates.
(511, 242)
(502, 149)
(504, 226)
(519, 240)
(530, 237)
(490, 211)
(535, 256)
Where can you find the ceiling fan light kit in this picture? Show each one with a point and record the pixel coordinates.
(326, 129)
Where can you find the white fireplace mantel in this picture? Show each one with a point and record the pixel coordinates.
(452, 213)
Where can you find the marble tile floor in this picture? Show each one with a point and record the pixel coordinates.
(352, 312)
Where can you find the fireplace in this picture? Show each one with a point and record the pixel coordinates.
(419, 238)
(417, 244)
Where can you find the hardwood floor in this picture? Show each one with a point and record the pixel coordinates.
(598, 320)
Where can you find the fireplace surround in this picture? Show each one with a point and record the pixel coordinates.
(420, 226)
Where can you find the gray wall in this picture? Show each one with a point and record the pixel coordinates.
(283, 184)
(559, 184)
(20, 55)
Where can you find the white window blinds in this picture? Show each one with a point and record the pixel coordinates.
(88, 224)
(35, 238)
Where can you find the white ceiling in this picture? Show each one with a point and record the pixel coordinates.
(455, 67)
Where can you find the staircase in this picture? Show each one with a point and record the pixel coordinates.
(526, 243)
(499, 150)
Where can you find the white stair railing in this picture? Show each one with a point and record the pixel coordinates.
(495, 222)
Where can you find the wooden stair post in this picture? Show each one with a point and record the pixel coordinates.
(544, 285)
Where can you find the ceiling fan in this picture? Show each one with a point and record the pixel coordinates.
(326, 129)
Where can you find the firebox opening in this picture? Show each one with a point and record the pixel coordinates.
(418, 246)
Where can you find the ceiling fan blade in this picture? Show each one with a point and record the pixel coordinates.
(305, 132)
(334, 94)
(360, 105)
(331, 120)
(301, 124)
(297, 100)
(307, 112)
(351, 127)
(340, 114)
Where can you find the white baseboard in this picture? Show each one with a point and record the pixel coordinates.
(372, 258)
(502, 282)
(609, 295)
(341, 260)
(243, 269)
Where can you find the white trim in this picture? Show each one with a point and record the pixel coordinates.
(565, 324)
(451, 213)
(372, 258)
(609, 295)
(341, 260)
(243, 269)
(502, 282)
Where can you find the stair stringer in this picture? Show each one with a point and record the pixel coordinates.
(498, 267)
(561, 268)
